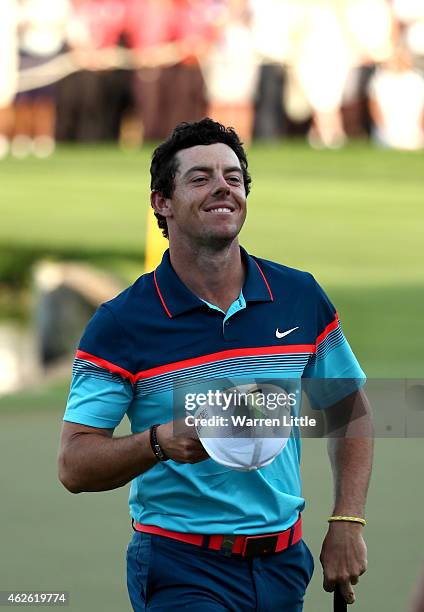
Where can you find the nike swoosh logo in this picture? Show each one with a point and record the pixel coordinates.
(286, 333)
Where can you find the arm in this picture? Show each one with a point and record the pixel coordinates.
(91, 459)
(344, 554)
(418, 600)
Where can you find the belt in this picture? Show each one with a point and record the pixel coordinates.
(244, 545)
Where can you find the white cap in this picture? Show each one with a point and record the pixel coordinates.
(239, 437)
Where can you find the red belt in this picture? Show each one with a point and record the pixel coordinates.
(244, 545)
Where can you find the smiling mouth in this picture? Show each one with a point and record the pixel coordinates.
(223, 210)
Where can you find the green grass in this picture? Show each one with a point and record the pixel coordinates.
(354, 218)
(88, 198)
(51, 539)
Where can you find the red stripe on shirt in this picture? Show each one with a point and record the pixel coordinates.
(105, 364)
(221, 355)
(330, 327)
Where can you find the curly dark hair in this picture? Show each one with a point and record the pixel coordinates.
(165, 164)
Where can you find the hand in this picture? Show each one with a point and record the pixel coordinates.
(343, 558)
(182, 448)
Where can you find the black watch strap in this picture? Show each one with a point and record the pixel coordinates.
(156, 448)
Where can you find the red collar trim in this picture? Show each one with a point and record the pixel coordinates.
(265, 281)
(161, 296)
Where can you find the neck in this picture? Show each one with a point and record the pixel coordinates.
(213, 274)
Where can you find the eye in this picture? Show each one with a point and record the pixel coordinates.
(235, 180)
(199, 179)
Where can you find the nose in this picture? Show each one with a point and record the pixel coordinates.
(221, 185)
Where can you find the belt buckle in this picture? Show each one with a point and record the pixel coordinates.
(259, 545)
(227, 544)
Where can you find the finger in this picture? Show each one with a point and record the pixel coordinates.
(193, 442)
(347, 591)
(195, 459)
(197, 452)
(363, 569)
(190, 446)
(329, 585)
(199, 459)
(354, 580)
(192, 455)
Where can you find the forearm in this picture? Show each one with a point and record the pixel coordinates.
(350, 449)
(418, 600)
(344, 553)
(351, 462)
(93, 462)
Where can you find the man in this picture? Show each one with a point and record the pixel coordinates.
(208, 537)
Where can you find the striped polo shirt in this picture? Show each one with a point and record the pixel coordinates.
(157, 333)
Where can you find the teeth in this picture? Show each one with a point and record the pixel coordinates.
(220, 210)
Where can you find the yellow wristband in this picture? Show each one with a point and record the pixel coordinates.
(348, 519)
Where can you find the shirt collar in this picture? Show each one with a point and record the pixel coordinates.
(176, 298)
(256, 287)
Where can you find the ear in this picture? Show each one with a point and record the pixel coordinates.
(160, 204)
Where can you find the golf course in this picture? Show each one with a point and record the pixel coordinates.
(353, 217)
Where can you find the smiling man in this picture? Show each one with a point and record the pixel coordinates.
(208, 537)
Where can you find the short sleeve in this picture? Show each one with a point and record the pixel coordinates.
(105, 338)
(332, 372)
(102, 385)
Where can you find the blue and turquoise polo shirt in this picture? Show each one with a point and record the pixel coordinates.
(157, 332)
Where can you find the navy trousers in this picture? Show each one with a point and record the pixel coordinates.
(167, 575)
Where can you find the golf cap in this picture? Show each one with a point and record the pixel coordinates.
(246, 435)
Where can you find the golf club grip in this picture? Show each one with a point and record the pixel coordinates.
(340, 604)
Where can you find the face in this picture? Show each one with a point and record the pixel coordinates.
(208, 205)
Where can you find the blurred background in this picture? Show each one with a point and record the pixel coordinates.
(328, 96)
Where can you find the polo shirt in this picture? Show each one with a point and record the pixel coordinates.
(157, 333)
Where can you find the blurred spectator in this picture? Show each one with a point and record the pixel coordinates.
(322, 63)
(168, 37)
(231, 70)
(91, 102)
(148, 27)
(410, 14)
(269, 68)
(272, 24)
(42, 35)
(8, 71)
(397, 103)
(370, 30)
